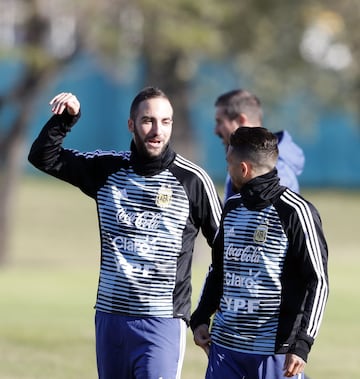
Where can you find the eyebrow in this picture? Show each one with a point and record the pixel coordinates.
(154, 118)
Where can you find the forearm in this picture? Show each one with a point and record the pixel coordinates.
(46, 149)
(209, 300)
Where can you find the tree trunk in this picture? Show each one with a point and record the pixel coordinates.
(12, 147)
(163, 74)
(9, 177)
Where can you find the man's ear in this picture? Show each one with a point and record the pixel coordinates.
(245, 169)
(242, 119)
(131, 125)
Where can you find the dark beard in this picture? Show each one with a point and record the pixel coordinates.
(141, 148)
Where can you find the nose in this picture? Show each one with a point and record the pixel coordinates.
(217, 131)
(156, 126)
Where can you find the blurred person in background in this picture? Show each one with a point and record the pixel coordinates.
(238, 108)
(268, 282)
(151, 204)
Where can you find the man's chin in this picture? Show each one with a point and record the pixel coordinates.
(154, 153)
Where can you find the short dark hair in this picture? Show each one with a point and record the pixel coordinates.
(258, 145)
(145, 94)
(240, 101)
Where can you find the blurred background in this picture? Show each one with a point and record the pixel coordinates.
(300, 58)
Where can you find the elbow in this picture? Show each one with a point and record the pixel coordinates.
(32, 156)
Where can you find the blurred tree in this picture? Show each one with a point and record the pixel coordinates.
(38, 64)
(312, 46)
(281, 46)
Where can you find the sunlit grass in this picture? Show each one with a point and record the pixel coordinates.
(48, 289)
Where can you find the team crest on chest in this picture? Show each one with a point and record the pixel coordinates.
(260, 233)
(164, 196)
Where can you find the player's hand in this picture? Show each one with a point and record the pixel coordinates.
(202, 337)
(293, 365)
(65, 100)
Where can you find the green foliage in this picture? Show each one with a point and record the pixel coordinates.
(48, 289)
(262, 38)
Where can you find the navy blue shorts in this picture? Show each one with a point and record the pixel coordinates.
(139, 348)
(225, 363)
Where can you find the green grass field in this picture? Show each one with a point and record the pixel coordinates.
(48, 287)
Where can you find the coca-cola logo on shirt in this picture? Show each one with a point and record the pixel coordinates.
(142, 220)
(250, 254)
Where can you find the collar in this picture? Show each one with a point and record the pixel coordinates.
(259, 192)
(146, 166)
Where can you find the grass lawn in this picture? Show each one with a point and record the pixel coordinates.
(48, 287)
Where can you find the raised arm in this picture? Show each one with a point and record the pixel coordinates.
(47, 153)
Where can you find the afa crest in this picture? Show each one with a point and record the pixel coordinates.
(164, 197)
(260, 233)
